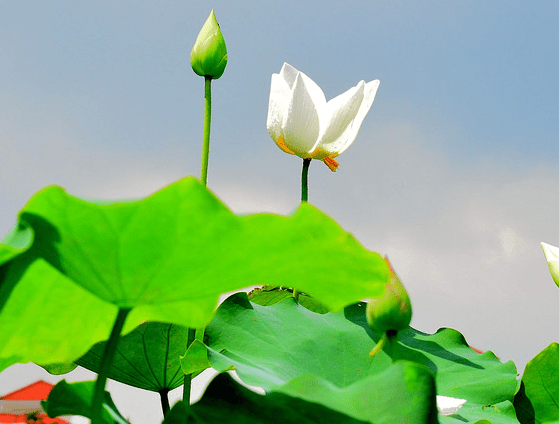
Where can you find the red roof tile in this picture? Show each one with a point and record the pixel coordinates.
(35, 391)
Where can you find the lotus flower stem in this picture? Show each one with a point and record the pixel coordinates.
(104, 368)
(207, 125)
(305, 180)
(304, 198)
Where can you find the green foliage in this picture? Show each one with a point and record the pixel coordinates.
(537, 401)
(273, 347)
(78, 262)
(17, 241)
(168, 257)
(226, 401)
(75, 399)
(69, 267)
(147, 358)
(403, 392)
(47, 318)
(196, 359)
(59, 369)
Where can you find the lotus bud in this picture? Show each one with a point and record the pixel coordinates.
(391, 312)
(209, 54)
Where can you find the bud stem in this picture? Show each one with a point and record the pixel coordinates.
(187, 384)
(207, 125)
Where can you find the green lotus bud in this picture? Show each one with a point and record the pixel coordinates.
(209, 54)
(391, 312)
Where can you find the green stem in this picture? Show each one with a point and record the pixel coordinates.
(207, 125)
(164, 395)
(187, 385)
(304, 198)
(105, 366)
(305, 180)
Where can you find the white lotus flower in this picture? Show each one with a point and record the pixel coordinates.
(552, 256)
(303, 123)
(449, 405)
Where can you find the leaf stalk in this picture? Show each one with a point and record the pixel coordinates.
(187, 385)
(164, 395)
(105, 366)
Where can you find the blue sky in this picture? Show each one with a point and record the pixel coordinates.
(453, 175)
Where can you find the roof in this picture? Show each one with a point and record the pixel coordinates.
(35, 391)
(15, 406)
(22, 419)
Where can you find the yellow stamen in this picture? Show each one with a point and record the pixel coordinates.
(281, 144)
(331, 163)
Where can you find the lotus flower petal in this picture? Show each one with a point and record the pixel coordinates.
(350, 133)
(301, 123)
(339, 114)
(552, 256)
(280, 96)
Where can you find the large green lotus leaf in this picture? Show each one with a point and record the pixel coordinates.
(147, 358)
(225, 401)
(499, 413)
(15, 243)
(49, 320)
(404, 392)
(538, 398)
(75, 399)
(270, 346)
(183, 243)
(168, 257)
